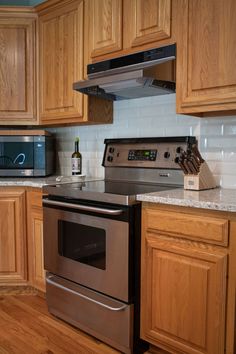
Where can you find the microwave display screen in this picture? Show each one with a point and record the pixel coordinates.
(17, 155)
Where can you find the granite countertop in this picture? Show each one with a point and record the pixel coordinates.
(214, 199)
(40, 182)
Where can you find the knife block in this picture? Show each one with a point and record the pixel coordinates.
(203, 180)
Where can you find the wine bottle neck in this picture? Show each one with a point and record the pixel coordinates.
(76, 146)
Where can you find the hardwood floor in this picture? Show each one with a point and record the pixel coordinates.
(26, 327)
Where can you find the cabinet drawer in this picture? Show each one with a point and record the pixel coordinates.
(202, 228)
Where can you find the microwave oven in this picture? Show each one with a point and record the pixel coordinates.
(26, 153)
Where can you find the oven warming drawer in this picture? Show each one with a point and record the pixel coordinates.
(103, 317)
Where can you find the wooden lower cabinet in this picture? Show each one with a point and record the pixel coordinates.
(13, 266)
(184, 284)
(35, 240)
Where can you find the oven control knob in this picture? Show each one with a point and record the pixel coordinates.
(111, 150)
(166, 155)
(110, 158)
(178, 149)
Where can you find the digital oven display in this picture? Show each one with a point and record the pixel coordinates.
(142, 155)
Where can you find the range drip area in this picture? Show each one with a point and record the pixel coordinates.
(92, 238)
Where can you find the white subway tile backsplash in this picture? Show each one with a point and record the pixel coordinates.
(152, 116)
(228, 181)
(226, 143)
(229, 156)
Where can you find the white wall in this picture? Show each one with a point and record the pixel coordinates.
(149, 117)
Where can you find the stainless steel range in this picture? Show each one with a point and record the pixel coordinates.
(92, 238)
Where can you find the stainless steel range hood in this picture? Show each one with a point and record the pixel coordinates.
(142, 74)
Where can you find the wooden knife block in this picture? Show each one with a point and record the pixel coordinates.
(203, 180)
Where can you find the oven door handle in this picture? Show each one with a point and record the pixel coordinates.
(83, 207)
(49, 281)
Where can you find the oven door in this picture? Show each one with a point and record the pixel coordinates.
(88, 245)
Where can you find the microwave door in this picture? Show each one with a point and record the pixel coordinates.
(16, 152)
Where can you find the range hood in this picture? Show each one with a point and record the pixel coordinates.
(142, 74)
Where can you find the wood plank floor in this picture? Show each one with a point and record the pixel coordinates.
(26, 327)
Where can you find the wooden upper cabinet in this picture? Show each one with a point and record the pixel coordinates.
(120, 27)
(147, 21)
(13, 270)
(61, 62)
(106, 30)
(17, 68)
(206, 75)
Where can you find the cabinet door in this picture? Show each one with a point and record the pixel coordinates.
(183, 295)
(61, 63)
(104, 27)
(17, 71)
(147, 21)
(206, 75)
(35, 240)
(12, 237)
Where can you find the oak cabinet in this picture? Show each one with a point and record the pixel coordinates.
(61, 62)
(61, 57)
(18, 104)
(206, 77)
(120, 27)
(147, 21)
(184, 281)
(105, 16)
(35, 240)
(13, 266)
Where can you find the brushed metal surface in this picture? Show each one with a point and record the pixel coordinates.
(121, 152)
(114, 280)
(83, 207)
(113, 327)
(150, 176)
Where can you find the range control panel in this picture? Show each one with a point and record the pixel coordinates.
(142, 155)
(145, 152)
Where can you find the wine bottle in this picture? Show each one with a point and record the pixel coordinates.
(76, 160)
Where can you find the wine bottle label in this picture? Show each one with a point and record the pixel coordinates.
(76, 166)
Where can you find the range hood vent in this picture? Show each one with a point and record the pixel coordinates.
(142, 74)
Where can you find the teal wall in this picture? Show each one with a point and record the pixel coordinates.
(20, 2)
(35, 2)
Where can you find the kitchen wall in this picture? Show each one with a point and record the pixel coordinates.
(153, 116)
(20, 2)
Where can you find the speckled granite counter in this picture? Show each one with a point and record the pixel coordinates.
(213, 199)
(40, 182)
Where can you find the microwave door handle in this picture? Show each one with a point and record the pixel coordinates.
(83, 207)
(121, 308)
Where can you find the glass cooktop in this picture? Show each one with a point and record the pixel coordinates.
(105, 191)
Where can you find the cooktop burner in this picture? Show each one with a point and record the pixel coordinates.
(106, 191)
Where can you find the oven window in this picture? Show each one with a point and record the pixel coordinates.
(82, 243)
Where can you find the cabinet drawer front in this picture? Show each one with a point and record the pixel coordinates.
(202, 228)
(35, 199)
